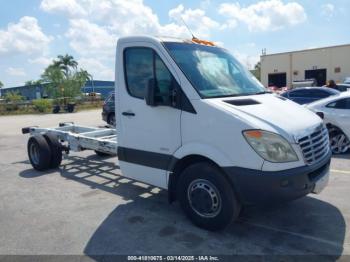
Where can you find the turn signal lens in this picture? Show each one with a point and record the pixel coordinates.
(253, 134)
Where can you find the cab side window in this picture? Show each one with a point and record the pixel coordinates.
(142, 64)
(164, 80)
(138, 64)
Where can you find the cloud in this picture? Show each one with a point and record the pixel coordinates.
(90, 39)
(95, 25)
(14, 71)
(43, 61)
(249, 61)
(328, 10)
(195, 19)
(26, 36)
(97, 68)
(268, 15)
(69, 7)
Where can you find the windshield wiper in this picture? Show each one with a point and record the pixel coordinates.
(243, 94)
(222, 96)
(262, 93)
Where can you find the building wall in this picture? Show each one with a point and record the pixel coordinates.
(34, 92)
(294, 64)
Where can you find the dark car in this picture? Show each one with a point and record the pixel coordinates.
(108, 110)
(343, 87)
(306, 95)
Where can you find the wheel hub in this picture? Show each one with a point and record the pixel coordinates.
(34, 153)
(339, 144)
(204, 198)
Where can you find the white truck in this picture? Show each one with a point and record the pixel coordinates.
(192, 120)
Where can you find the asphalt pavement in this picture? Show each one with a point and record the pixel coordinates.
(86, 208)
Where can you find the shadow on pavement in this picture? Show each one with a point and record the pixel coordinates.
(342, 156)
(147, 224)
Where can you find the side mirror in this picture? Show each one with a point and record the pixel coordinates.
(150, 94)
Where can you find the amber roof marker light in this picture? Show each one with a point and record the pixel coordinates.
(202, 42)
(195, 39)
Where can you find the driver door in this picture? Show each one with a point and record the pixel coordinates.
(148, 135)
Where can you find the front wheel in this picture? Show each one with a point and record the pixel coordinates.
(207, 197)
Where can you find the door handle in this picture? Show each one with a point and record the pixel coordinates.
(128, 114)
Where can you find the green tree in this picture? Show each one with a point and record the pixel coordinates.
(257, 70)
(63, 79)
(13, 99)
(33, 82)
(1, 84)
(66, 63)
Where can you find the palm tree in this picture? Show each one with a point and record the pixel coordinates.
(66, 63)
(33, 82)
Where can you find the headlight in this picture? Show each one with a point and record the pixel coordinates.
(270, 146)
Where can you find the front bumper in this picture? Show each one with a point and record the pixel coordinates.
(270, 187)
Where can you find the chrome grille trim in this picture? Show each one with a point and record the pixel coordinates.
(315, 146)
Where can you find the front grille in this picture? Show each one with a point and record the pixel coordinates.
(315, 146)
(315, 174)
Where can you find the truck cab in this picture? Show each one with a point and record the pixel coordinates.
(192, 120)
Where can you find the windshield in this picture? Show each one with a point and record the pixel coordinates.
(213, 71)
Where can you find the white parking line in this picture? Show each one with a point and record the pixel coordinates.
(325, 241)
(340, 171)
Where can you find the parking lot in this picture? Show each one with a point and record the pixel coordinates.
(86, 207)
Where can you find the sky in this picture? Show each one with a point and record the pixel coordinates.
(34, 32)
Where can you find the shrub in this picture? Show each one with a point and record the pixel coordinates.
(42, 105)
(12, 99)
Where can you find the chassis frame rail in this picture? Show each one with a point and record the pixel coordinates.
(80, 138)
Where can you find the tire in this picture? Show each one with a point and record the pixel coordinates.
(102, 154)
(56, 109)
(39, 152)
(111, 119)
(56, 150)
(340, 144)
(70, 108)
(207, 197)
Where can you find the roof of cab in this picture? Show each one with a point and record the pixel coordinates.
(152, 38)
(148, 38)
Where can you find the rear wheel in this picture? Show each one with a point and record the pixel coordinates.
(339, 142)
(70, 108)
(207, 197)
(39, 152)
(56, 109)
(56, 150)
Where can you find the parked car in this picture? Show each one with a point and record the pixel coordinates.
(304, 83)
(343, 87)
(108, 110)
(335, 112)
(305, 95)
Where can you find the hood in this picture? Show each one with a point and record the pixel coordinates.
(271, 113)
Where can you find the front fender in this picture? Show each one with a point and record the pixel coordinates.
(207, 151)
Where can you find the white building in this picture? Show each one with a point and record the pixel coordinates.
(321, 64)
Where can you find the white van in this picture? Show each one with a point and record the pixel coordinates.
(192, 120)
